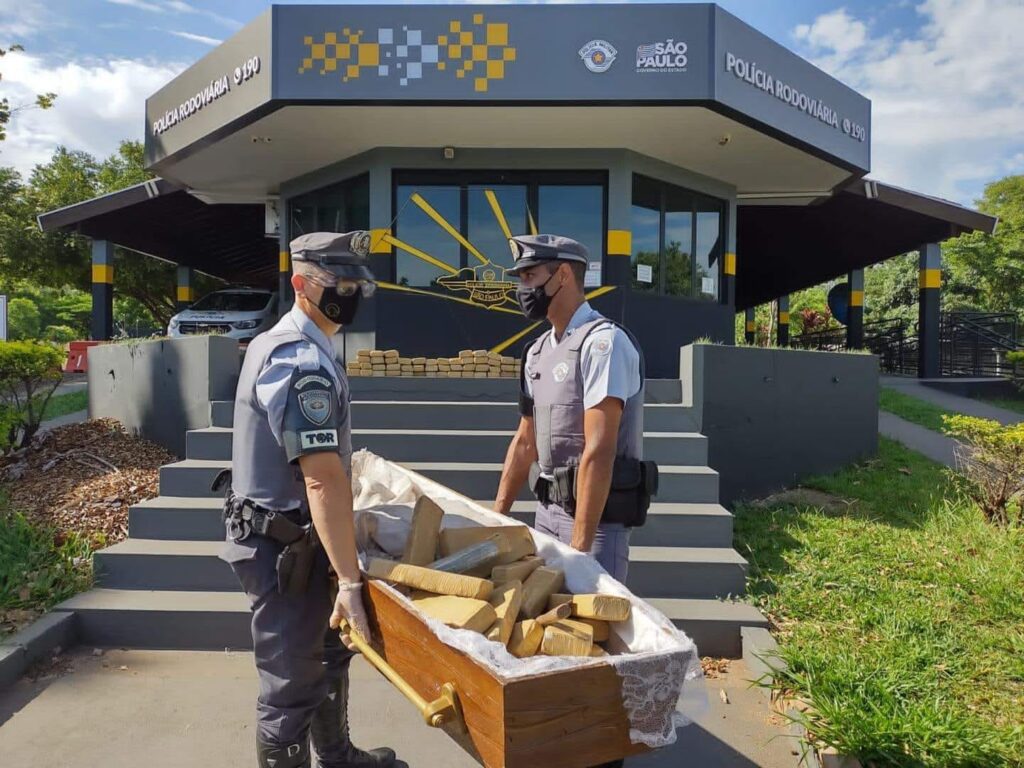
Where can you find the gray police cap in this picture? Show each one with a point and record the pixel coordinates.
(345, 254)
(531, 250)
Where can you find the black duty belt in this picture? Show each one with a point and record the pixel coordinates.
(244, 517)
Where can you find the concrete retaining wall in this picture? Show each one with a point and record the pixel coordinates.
(774, 416)
(160, 389)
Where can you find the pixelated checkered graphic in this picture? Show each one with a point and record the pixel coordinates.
(478, 51)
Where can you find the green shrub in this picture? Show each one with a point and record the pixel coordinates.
(60, 334)
(29, 373)
(23, 319)
(990, 458)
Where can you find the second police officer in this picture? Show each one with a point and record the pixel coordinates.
(580, 438)
(289, 512)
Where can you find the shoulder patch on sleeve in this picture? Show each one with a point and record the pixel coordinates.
(308, 357)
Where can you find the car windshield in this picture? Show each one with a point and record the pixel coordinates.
(226, 301)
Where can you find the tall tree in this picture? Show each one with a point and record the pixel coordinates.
(58, 258)
(7, 111)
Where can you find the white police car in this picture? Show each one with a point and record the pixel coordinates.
(240, 313)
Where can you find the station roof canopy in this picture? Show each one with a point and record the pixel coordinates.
(160, 219)
(784, 248)
(780, 248)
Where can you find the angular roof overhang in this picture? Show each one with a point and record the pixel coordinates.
(785, 248)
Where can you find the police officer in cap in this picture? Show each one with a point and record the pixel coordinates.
(580, 435)
(289, 512)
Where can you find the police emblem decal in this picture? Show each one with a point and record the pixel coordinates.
(598, 55)
(560, 371)
(316, 405)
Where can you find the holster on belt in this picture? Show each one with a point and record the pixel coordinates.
(633, 483)
(295, 562)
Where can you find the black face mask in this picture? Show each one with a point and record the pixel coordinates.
(535, 301)
(337, 308)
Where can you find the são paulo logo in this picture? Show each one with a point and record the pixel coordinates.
(598, 55)
(668, 56)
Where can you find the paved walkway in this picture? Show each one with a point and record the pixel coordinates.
(934, 445)
(165, 709)
(950, 401)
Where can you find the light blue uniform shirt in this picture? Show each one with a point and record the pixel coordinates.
(609, 362)
(273, 381)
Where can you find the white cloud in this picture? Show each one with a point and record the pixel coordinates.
(20, 21)
(98, 105)
(142, 5)
(182, 7)
(195, 37)
(947, 100)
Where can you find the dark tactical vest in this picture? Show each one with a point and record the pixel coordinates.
(259, 467)
(557, 385)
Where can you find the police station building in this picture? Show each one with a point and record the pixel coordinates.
(706, 168)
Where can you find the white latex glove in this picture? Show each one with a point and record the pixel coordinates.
(349, 605)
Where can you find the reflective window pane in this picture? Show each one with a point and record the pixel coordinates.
(678, 247)
(645, 223)
(710, 236)
(488, 207)
(341, 207)
(573, 211)
(421, 209)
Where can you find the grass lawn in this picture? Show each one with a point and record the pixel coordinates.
(61, 405)
(912, 408)
(900, 615)
(1015, 404)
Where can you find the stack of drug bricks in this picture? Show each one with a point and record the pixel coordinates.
(490, 580)
(470, 364)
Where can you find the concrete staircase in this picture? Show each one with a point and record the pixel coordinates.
(164, 587)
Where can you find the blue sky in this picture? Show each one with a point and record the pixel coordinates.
(945, 76)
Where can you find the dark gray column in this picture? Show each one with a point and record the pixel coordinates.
(855, 310)
(750, 325)
(782, 334)
(102, 324)
(929, 293)
(185, 293)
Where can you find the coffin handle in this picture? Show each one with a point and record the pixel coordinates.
(445, 710)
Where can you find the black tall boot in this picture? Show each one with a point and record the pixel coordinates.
(282, 755)
(329, 730)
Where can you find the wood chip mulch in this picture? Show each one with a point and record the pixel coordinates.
(82, 478)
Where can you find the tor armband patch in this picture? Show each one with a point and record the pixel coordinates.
(318, 438)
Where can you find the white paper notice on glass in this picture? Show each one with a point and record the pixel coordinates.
(592, 277)
(644, 273)
(707, 285)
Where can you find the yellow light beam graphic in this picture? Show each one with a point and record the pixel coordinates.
(499, 348)
(533, 224)
(442, 222)
(406, 289)
(498, 213)
(391, 239)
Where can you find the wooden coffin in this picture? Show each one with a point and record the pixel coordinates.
(569, 719)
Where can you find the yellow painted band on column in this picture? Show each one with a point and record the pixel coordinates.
(283, 261)
(930, 278)
(184, 294)
(378, 241)
(729, 267)
(620, 242)
(751, 326)
(103, 273)
(856, 298)
(783, 318)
